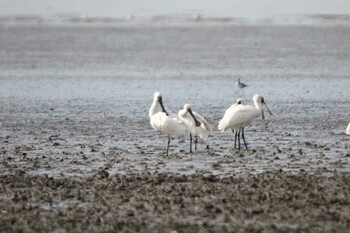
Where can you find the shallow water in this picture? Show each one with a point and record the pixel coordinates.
(292, 62)
(75, 98)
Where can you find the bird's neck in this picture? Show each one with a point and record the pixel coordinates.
(258, 107)
(154, 108)
(182, 113)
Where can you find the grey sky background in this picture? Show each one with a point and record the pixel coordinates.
(144, 8)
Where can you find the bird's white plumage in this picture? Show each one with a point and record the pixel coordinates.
(348, 129)
(238, 101)
(155, 107)
(203, 130)
(167, 125)
(163, 123)
(239, 116)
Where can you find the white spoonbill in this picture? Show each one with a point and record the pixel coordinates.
(239, 116)
(348, 130)
(162, 122)
(227, 112)
(195, 123)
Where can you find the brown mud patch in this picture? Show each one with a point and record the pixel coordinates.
(153, 202)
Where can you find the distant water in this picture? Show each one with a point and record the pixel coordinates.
(247, 11)
(131, 61)
(181, 19)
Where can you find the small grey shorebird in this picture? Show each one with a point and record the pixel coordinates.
(241, 85)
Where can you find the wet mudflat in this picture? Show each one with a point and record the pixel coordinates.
(158, 202)
(102, 173)
(78, 154)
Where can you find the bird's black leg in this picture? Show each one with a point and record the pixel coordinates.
(239, 139)
(167, 149)
(190, 143)
(245, 144)
(235, 138)
(195, 143)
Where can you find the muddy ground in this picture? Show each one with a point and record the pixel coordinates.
(155, 202)
(94, 173)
